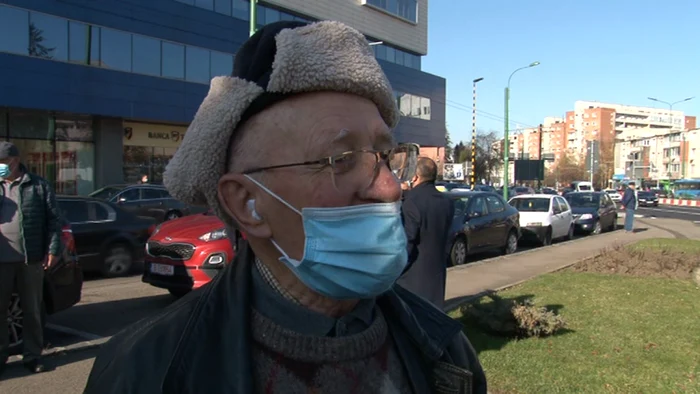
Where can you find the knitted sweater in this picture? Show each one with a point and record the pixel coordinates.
(289, 362)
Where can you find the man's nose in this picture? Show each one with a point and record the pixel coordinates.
(385, 188)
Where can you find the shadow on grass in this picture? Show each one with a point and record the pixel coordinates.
(495, 325)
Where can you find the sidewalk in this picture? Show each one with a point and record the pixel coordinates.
(466, 281)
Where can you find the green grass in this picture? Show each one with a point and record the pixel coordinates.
(627, 335)
(661, 244)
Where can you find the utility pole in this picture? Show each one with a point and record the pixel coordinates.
(506, 150)
(253, 16)
(591, 146)
(473, 177)
(539, 157)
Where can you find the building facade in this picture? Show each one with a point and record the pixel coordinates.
(101, 92)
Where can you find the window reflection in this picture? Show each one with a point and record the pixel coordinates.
(197, 65)
(14, 24)
(223, 7)
(75, 166)
(31, 124)
(48, 36)
(37, 156)
(173, 65)
(413, 106)
(241, 9)
(77, 42)
(406, 9)
(221, 64)
(116, 49)
(206, 4)
(146, 55)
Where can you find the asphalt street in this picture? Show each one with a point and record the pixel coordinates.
(671, 212)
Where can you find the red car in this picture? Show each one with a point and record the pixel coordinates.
(186, 253)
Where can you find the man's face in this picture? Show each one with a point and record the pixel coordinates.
(312, 127)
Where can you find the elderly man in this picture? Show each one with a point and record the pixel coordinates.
(294, 150)
(30, 234)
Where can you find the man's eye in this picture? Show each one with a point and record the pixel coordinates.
(344, 162)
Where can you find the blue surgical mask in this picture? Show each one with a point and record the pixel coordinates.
(4, 170)
(349, 252)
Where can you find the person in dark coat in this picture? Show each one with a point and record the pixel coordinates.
(427, 217)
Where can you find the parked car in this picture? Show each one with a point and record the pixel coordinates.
(614, 195)
(63, 285)
(544, 217)
(108, 239)
(520, 190)
(647, 199)
(447, 186)
(548, 190)
(145, 200)
(482, 221)
(594, 212)
(660, 193)
(187, 253)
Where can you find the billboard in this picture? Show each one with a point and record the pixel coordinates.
(453, 172)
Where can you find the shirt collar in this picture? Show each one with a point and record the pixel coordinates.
(271, 304)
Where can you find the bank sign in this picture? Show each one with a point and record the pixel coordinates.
(154, 135)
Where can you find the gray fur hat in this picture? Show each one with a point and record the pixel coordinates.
(280, 60)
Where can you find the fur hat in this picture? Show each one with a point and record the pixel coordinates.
(280, 60)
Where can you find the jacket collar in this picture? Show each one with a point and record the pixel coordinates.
(221, 320)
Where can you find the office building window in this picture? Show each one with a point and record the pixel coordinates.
(145, 55)
(413, 106)
(406, 9)
(173, 65)
(223, 7)
(14, 24)
(116, 49)
(206, 4)
(48, 36)
(221, 64)
(241, 10)
(41, 35)
(197, 65)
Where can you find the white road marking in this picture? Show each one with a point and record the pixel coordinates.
(74, 332)
(695, 212)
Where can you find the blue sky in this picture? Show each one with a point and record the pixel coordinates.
(619, 51)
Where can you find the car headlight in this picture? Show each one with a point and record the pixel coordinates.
(586, 216)
(214, 235)
(534, 224)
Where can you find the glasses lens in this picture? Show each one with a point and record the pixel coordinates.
(358, 169)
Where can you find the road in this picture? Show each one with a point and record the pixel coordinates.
(671, 212)
(107, 306)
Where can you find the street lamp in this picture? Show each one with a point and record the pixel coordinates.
(670, 116)
(473, 178)
(376, 43)
(506, 150)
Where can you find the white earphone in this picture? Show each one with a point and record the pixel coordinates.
(251, 207)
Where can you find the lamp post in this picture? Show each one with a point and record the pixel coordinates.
(670, 117)
(253, 16)
(506, 150)
(473, 177)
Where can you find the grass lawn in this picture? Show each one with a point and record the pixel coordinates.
(661, 244)
(626, 335)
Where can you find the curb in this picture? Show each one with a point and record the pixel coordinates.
(62, 350)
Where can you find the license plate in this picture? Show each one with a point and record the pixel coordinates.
(163, 269)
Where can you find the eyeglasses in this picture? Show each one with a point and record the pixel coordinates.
(353, 168)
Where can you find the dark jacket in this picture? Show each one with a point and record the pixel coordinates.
(39, 218)
(202, 344)
(427, 217)
(629, 199)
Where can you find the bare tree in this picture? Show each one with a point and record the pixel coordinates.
(487, 161)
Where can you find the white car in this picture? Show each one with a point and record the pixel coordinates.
(614, 195)
(544, 217)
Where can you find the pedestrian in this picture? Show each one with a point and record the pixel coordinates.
(294, 151)
(427, 218)
(630, 202)
(30, 234)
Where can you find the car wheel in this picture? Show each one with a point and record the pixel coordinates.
(172, 215)
(547, 240)
(511, 243)
(15, 321)
(597, 229)
(570, 233)
(178, 292)
(613, 225)
(118, 261)
(458, 254)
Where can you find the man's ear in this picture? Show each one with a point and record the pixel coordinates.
(234, 192)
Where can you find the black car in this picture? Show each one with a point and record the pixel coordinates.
(485, 188)
(549, 191)
(145, 200)
(108, 239)
(482, 221)
(63, 285)
(520, 190)
(452, 185)
(594, 212)
(647, 199)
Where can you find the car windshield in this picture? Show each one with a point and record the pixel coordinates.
(583, 200)
(521, 190)
(610, 191)
(106, 192)
(645, 194)
(530, 204)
